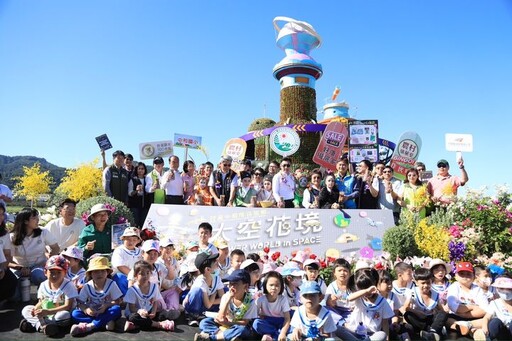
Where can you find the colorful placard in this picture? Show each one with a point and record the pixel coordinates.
(459, 142)
(406, 154)
(235, 148)
(150, 150)
(103, 142)
(330, 147)
(187, 141)
(363, 140)
(284, 141)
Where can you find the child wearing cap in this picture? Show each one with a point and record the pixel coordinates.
(292, 276)
(245, 192)
(497, 322)
(144, 310)
(76, 273)
(312, 320)
(237, 309)
(273, 319)
(206, 291)
(224, 260)
(466, 301)
(423, 309)
(204, 232)
(312, 272)
(172, 290)
(254, 269)
(125, 256)
(98, 301)
(56, 297)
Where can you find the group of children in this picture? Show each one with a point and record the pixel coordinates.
(230, 295)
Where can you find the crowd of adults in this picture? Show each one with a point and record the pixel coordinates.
(369, 186)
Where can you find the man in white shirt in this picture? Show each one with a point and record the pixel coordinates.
(172, 182)
(67, 227)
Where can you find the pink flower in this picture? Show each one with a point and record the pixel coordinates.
(455, 231)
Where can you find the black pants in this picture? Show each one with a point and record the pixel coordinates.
(146, 322)
(435, 321)
(174, 199)
(289, 204)
(8, 284)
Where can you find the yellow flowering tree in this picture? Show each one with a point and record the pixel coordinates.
(82, 182)
(432, 240)
(33, 183)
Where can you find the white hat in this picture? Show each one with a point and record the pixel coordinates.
(291, 269)
(362, 264)
(248, 262)
(311, 261)
(150, 244)
(98, 208)
(73, 252)
(130, 232)
(267, 267)
(166, 242)
(437, 261)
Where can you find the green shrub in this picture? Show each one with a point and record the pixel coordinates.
(399, 241)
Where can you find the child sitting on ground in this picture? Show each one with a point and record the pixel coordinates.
(224, 260)
(56, 297)
(497, 322)
(170, 285)
(483, 278)
(237, 309)
(98, 301)
(440, 281)
(311, 320)
(206, 291)
(125, 256)
(204, 232)
(144, 310)
(76, 273)
(312, 272)
(292, 276)
(403, 281)
(273, 319)
(237, 257)
(423, 309)
(336, 299)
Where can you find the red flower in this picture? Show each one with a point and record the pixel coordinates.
(276, 255)
(312, 256)
(322, 264)
(266, 249)
(294, 253)
(330, 259)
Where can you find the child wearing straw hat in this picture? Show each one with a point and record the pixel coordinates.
(76, 273)
(98, 302)
(125, 256)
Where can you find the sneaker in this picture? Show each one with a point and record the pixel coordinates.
(167, 325)
(432, 336)
(50, 330)
(404, 337)
(81, 328)
(463, 327)
(111, 326)
(479, 335)
(27, 327)
(193, 323)
(267, 337)
(202, 336)
(128, 326)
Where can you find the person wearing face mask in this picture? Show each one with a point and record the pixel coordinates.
(292, 276)
(497, 322)
(483, 278)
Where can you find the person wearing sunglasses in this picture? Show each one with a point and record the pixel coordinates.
(223, 182)
(443, 187)
(283, 185)
(389, 187)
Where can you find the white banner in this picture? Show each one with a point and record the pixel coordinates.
(459, 142)
(284, 230)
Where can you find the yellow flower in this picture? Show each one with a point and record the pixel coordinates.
(432, 240)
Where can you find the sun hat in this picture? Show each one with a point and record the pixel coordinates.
(464, 266)
(309, 287)
(57, 262)
(238, 275)
(73, 252)
(151, 244)
(291, 269)
(220, 243)
(310, 261)
(203, 257)
(192, 244)
(503, 283)
(443, 162)
(99, 263)
(267, 267)
(98, 208)
(166, 241)
(130, 232)
(437, 261)
(246, 263)
(362, 264)
(300, 256)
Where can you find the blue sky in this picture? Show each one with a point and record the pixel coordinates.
(144, 70)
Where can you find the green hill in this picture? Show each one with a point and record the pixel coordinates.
(12, 166)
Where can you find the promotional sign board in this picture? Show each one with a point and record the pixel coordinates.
(150, 150)
(235, 148)
(406, 154)
(459, 142)
(284, 141)
(363, 140)
(103, 142)
(330, 147)
(117, 231)
(284, 230)
(187, 141)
